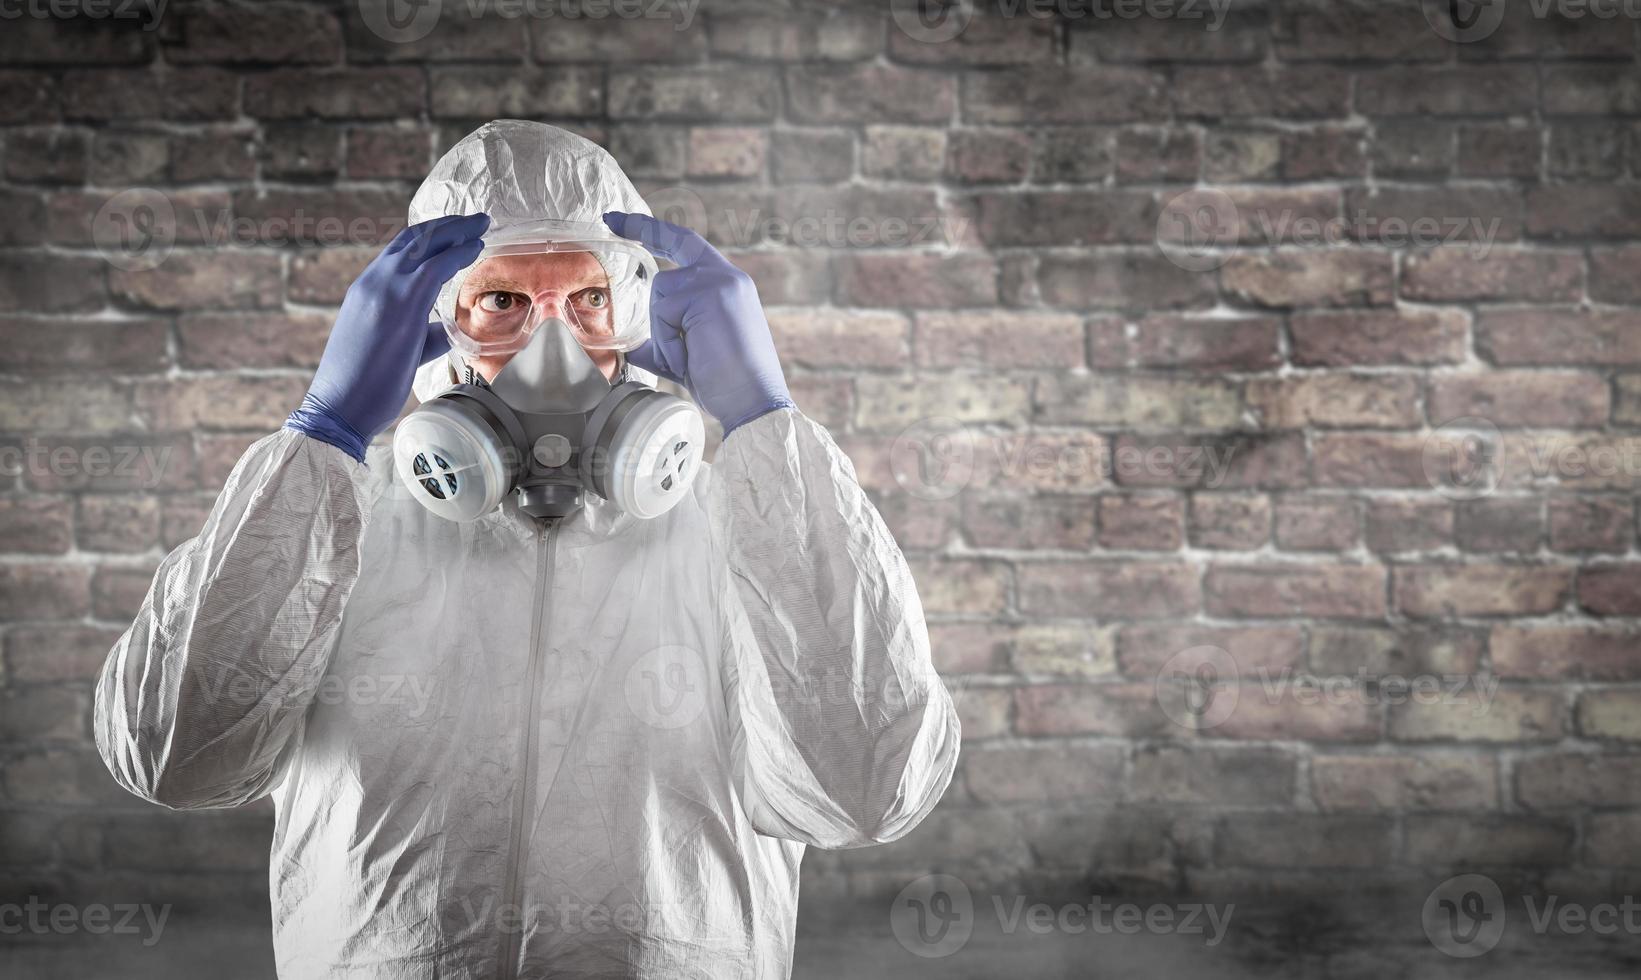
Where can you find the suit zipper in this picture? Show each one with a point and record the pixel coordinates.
(511, 963)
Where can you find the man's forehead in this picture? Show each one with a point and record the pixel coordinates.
(536, 271)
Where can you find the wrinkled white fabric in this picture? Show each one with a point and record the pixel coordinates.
(498, 749)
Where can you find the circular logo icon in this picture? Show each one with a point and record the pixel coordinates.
(933, 459)
(932, 21)
(678, 205)
(1198, 689)
(400, 21)
(1195, 225)
(135, 229)
(667, 687)
(1462, 458)
(1464, 916)
(1463, 21)
(933, 916)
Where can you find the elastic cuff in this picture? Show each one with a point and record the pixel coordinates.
(760, 413)
(312, 419)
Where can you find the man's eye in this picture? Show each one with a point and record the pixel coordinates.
(595, 298)
(500, 302)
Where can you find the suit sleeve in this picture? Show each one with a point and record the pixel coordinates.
(846, 737)
(202, 701)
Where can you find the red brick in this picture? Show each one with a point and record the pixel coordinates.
(1423, 216)
(1458, 274)
(1351, 459)
(1124, 279)
(797, 36)
(1317, 524)
(274, 34)
(1287, 92)
(1565, 779)
(124, 522)
(1282, 590)
(39, 590)
(1407, 525)
(1503, 524)
(1124, 710)
(1468, 842)
(1331, 277)
(1511, 715)
(988, 156)
(1534, 399)
(1140, 155)
(1236, 522)
(1108, 589)
(383, 93)
(1399, 651)
(1285, 708)
(1427, 781)
(1207, 343)
(1335, 401)
(1463, 91)
(841, 338)
(36, 525)
(1141, 523)
(1584, 211)
(1499, 151)
(1229, 776)
(962, 586)
(1144, 650)
(999, 521)
(1044, 774)
(1559, 336)
(1603, 524)
(1378, 337)
(1305, 840)
(1610, 590)
(1595, 90)
(1065, 218)
(1615, 274)
(727, 151)
(867, 94)
(1219, 461)
(918, 281)
(47, 654)
(1001, 339)
(1037, 95)
(1480, 590)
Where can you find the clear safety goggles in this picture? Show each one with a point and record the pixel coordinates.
(496, 304)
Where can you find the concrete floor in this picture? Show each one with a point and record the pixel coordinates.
(1268, 947)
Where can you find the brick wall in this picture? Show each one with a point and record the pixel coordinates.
(1297, 552)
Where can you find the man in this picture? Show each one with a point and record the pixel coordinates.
(509, 747)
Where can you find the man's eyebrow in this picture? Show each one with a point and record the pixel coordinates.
(487, 283)
(491, 284)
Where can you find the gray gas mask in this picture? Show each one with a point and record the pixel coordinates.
(549, 428)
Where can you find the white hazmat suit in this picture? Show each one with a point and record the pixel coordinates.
(499, 749)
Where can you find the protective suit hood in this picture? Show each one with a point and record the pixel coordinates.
(518, 171)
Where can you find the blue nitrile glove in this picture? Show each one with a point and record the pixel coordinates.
(382, 334)
(707, 327)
